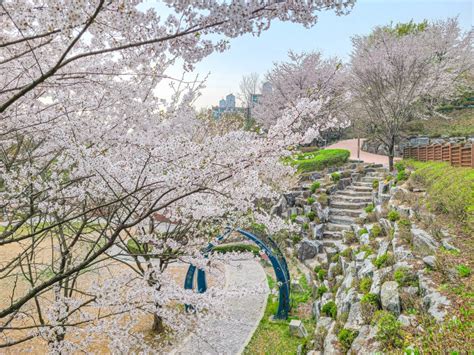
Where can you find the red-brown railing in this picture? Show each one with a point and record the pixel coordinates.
(456, 154)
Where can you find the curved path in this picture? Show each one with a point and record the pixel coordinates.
(230, 335)
(351, 145)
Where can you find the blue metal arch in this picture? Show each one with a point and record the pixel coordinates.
(276, 258)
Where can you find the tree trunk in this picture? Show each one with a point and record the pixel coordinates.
(391, 153)
(158, 325)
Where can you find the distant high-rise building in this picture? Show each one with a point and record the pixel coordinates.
(222, 104)
(230, 102)
(266, 88)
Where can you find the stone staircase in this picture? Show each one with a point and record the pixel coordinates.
(347, 205)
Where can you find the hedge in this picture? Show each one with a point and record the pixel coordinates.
(318, 160)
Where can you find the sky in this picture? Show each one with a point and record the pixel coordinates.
(331, 35)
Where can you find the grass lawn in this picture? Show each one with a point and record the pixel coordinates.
(318, 160)
(274, 337)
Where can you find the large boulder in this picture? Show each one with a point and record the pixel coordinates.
(365, 342)
(355, 319)
(309, 249)
(389, 297)
(434, 302)
(378, 278)
(423, 243)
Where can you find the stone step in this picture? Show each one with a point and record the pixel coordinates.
(362, 184)
(342, 219)
(345, 198)
(333, 227)
(351, 193)
(347, 205)
(345, 212)
(334, 243)
(368, 179)
(332, 235)
(364, 188)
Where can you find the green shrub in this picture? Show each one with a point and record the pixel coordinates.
(311, 215)
(367, 249)
(335, 177)
(314, 186)
(364, 284)
(370, 208)
(405, 277)
(393, 216)
(404, 222)
(347, 253)
(402, 175)
(296, 238)
(323, 199)
(399, 166)
(321, 274)
(463, 270)
(346, 337)
(330, 309)
(375, 184)
(335, 258)
(293, 217)
(319, 160)
(310, 200)
(321, 290)
(305, 226)
(363, 231)
(388, 329)
(317, 268)
(383, 260)
(369, 304)
(376, 230)
(349, 237)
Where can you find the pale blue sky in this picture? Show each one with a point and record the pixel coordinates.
(332, 35)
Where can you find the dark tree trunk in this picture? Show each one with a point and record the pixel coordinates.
(391, 153)
(158, 325)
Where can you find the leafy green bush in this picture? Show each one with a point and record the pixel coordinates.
(349, 237)
(367, 249)
(463, 270)
(335, 177)
(404, 222)
(383, 260)
(321, 290)
(375, 184)
(293, 217)
(388, 329)
(321, 274)
(323, 199)
(450, 190)
(330, 309)
(296, 238)
(405, 277)
(346, 337)
(310, 200)
(319, 160)
(305, 226)
(347, 253)
(393, 216)
(311, 215)
(369, 304)
(402, 175)
(363, 231)
(364, 284)
(370, 208)
(314, 186)
(376, 230)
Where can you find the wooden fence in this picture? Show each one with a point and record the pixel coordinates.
(455, 154)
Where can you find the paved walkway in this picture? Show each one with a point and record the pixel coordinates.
(230, 335)
(351, 145)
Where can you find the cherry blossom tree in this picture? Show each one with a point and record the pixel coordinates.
(92, 157)
(308, 76)
(399, 73)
